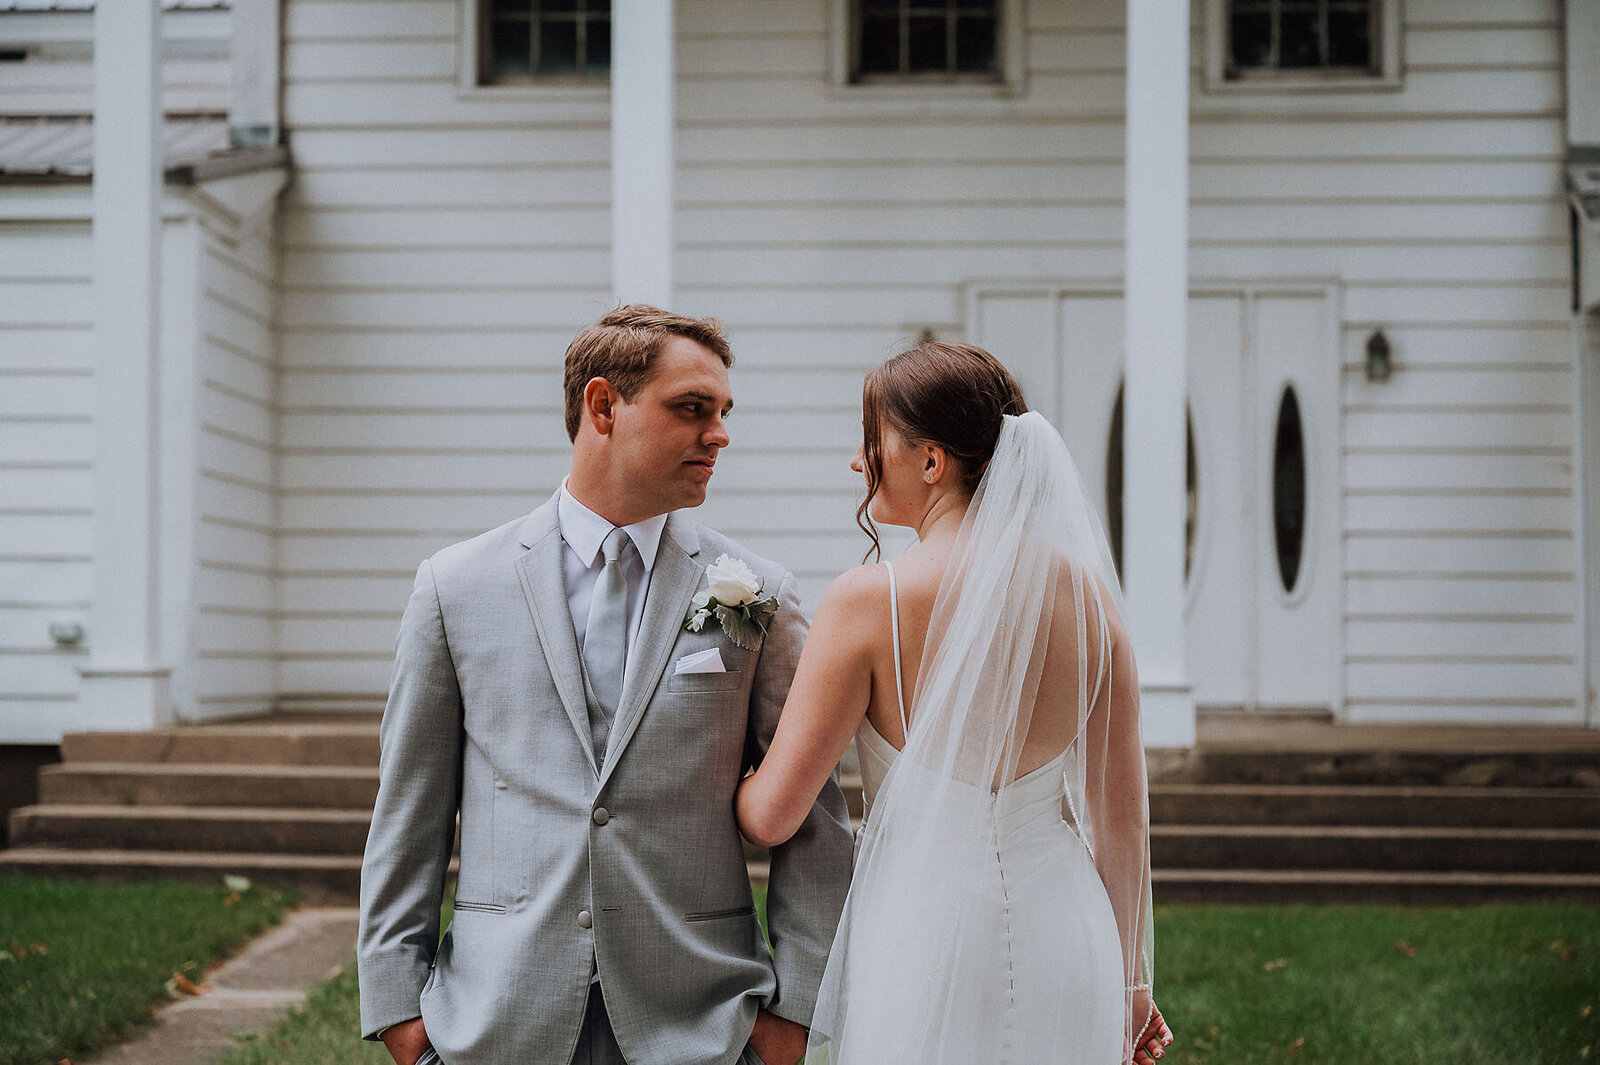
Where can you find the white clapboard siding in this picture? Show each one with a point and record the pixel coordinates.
(57, 78)
(1458, 596)
(439, 248)
(235, 621)
(46, 477)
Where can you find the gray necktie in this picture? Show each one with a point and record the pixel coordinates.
(605, 638)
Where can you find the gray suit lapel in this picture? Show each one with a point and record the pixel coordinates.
(545, 588)
(673, 581)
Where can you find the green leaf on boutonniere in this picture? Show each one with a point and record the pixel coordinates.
(743, 629)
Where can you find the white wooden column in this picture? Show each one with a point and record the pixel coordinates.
(1157, 244)
(1583, 155)
(642, 151)
(125, 685)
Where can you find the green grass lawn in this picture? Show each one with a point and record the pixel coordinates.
(81, 963)
(1342, 985)
(1361, 985)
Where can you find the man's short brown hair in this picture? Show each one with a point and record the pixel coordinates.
(621, 347)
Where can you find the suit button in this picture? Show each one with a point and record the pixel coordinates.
(601, 815)
(585, 919)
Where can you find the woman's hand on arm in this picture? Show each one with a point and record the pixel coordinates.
(1152, 1044)
(829, 696)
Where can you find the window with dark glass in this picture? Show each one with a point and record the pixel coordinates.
(1191, 512)
(526, 40)
(931, 38)
(1303, 36)
(1289, 489)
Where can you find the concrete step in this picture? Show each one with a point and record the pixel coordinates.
(316, 877)
(287, 743)
(193, 828)
(1368, 804)
(194, 784)
(1369, 886)
(1375, 847)
(1450, 762)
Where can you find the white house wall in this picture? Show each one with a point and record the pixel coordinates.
(58, 77)
(217, 384)
(46, 448)
(234, 667)
(441, 245)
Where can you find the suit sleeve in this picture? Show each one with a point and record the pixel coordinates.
(413, 823)
(811, 872)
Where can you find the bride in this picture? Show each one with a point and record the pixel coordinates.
(1000, 907)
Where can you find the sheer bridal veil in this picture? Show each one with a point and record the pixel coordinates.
(1026, 673)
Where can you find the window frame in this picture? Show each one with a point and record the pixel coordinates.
(1010, 58)
(473, 58)
(1386, 47)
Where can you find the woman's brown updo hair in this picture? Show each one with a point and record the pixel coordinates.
(952, 396)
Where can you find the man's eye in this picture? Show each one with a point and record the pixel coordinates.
(692, 408)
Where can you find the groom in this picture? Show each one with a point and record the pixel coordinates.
(548, 688)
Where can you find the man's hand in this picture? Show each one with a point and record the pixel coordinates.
(777, 1041)
(406, 1041)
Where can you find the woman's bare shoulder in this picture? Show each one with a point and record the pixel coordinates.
(1077, 581)
(857, 589)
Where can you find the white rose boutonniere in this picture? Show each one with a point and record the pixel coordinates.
(733, 595)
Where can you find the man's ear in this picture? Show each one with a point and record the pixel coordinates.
(600, 404)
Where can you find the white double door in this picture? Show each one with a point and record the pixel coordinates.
(1262, 606)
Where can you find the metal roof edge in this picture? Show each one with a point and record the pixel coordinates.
(228, 163)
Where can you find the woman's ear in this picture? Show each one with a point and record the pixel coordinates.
(599, 405)
(934, 463)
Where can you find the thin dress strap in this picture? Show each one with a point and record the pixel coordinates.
(894, 627)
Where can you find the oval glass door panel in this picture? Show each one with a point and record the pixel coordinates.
(1289, 489)
(1114, 487)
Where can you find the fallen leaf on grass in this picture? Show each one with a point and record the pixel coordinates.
(181, 984)
(236, 884)
(40, 948)
(1295, 1047)
(1275, 963)
(1405, 948)
(1586, 1011)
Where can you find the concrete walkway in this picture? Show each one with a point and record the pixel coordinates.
(253, 990)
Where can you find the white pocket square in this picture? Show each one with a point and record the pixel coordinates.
(707, 661)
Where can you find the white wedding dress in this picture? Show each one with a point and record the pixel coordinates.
(1061, 1000)
(980, 927)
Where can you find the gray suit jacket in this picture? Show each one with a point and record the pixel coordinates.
(635, 864)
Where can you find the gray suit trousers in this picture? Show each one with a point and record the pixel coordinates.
(597, 1045)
